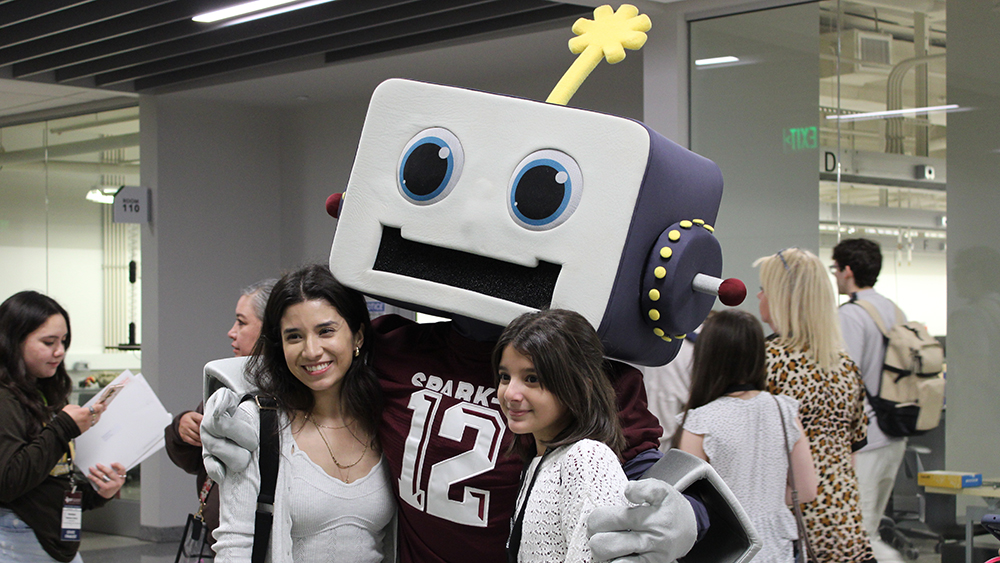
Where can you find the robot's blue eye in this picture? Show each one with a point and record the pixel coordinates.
(430, 166)
(544, 190)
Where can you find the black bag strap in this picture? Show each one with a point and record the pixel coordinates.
(268, 462)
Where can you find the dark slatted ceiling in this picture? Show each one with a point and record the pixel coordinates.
(142, 45)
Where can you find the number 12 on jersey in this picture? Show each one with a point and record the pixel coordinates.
(474, 507)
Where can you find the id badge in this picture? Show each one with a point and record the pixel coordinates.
(72, 516)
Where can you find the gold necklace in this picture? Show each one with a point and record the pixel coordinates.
(329, 449)
(333, 427)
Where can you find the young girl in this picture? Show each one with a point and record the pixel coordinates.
(333, 499)
(736, 426)
(555, 393)
(37, 427)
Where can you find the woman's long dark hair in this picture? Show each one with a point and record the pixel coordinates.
(20, 315)
(729, 351)
(361, 394)
(569, 360)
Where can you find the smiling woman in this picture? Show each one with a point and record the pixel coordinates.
(313, 359)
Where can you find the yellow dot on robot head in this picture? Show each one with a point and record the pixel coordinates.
(654, 295)
(698, 221)
(710, 228)
(658, 331)
(654, 314)
(685, 224)
(680, 336)
(674, 235)
(666, 339)
(666, 252)
(660, 272)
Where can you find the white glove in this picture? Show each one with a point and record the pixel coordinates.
(228, 435)
(660, 528)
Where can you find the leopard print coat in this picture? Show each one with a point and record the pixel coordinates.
(832, 413)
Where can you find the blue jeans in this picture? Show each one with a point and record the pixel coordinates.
(18, 543)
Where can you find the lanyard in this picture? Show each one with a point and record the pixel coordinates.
(514, 540)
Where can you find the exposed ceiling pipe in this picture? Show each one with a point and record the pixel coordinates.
(70, 167)
(894, 100)
(926, 6)
(70, 149)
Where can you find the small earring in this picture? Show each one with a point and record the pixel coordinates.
(357, 351)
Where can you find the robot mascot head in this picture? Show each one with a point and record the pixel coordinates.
(486, 206)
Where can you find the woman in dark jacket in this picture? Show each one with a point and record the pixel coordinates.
(37, 426)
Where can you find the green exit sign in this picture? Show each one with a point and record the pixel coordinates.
(798, 139)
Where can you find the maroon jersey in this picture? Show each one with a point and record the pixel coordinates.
(446, 441)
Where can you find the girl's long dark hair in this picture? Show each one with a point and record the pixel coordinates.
(569, 360)
(20, 315)
(361, 394)
(729, 351)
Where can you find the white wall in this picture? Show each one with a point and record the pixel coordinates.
(214, 172)
(318, 145)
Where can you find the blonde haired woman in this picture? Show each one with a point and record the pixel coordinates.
(806, 360)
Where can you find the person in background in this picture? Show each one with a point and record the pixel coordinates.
(183, 438)
(734, 424)
(668, 388)
(37, 428)
(555, 392)
(334, 496)
(856, 266)
(806, 360)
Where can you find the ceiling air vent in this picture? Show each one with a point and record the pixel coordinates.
(874, 48)
(861, 52)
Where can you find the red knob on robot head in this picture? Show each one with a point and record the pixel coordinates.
(731, 291)
(333, 204)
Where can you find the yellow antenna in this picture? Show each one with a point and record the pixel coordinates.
(606, 36)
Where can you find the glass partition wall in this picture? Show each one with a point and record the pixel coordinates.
(883, 114)
(57, 182)
(792, 99)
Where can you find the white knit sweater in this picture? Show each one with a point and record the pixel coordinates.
(573, 481)
(356, 520)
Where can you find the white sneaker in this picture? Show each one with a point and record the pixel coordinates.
(885, 553)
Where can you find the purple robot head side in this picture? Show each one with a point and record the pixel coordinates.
(670, 241)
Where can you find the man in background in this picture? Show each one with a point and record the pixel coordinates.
(856, 265)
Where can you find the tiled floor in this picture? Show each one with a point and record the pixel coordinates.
(100, 548)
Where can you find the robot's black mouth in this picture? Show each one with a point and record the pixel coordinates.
(531, 287)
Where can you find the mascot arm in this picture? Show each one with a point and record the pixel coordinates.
(228, 435)
(662, 525)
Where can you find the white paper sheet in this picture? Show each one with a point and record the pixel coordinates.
(129, 431)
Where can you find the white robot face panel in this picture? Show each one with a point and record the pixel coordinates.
(485, 206)
(491, 205)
